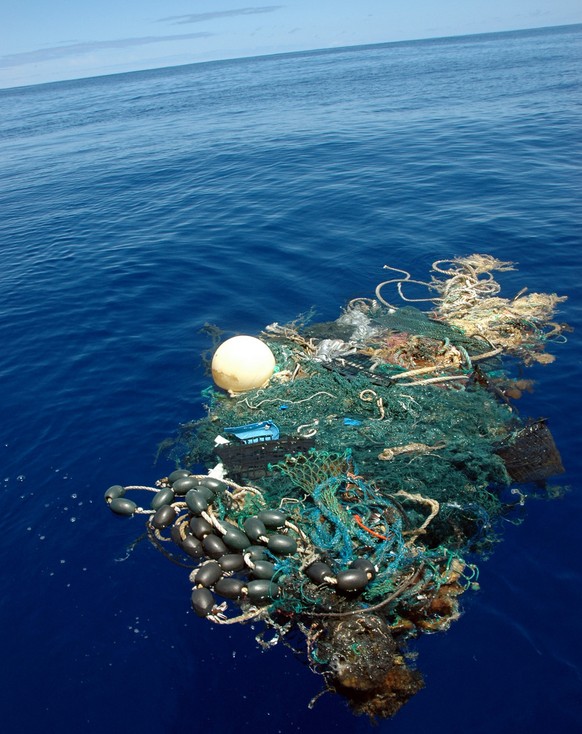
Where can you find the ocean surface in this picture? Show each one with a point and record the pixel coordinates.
(135, 209)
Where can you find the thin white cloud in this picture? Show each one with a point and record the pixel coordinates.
(77, 49)
(212, 15)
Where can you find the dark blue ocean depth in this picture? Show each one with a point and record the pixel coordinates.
(137, 208)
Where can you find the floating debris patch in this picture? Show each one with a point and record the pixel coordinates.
(348, 476)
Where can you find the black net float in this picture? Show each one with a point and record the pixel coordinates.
(192, 546)
(163, 497)
(214, 546)
(283, 545)
(272, 518)
(178, 474)
(200, 527)
(114, 492)
(183, 484)
(263, 570)
(256, 553)
(164, 516)
(196, 501)
(366, 565)
(215, 485)
(202, 602)
(122, 506)
(229, 587)
(231, 562)
(318, 571)
(352, 580)
(262, 591)
(254, 528)
(235, 538)
(208, 574)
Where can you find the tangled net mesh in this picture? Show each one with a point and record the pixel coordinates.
(468, 299)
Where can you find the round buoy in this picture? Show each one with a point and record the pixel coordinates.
(242, 363)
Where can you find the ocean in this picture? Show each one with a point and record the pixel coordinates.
(136, 209)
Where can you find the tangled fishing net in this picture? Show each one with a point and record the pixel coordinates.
(344, 501)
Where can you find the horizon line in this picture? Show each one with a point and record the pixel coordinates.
(288, 53)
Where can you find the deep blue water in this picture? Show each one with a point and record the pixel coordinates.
(136, 208)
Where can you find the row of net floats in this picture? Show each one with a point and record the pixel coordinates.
(241, 565)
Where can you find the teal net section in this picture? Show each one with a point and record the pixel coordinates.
(343, 512)
(440, 443)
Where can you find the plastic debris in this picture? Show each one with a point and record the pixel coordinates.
(255, 432)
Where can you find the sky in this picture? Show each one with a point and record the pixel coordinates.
(53, 40)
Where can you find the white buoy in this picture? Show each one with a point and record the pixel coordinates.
(242, 363)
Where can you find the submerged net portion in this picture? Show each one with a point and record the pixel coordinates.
(347, 497)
